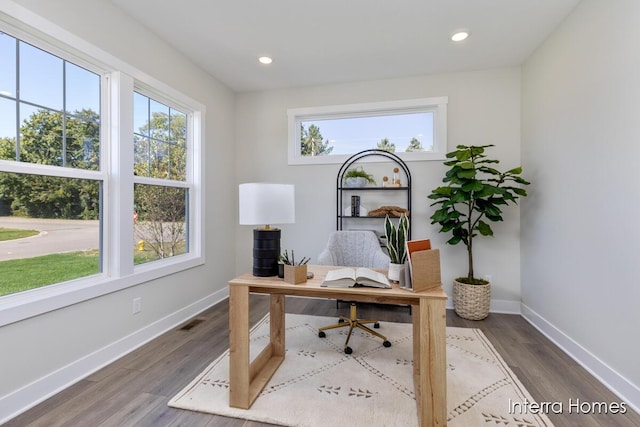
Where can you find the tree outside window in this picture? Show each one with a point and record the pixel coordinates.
(160, 155)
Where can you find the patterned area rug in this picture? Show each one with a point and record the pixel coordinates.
(319, 385)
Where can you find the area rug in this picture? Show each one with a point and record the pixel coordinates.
(319, 385)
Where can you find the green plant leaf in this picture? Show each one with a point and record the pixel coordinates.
(488, 170)
(514, 171)
(442, 191)
(491, 210)
(454, 240)
(467, 165)
(508, 197)
(498, 201)
(446, 228)
(463, 155)
(484, 161)
(468, 173)
(440, 215)
(473, 186)
(476, 151)
(460, 197)
(484, 228)
(486, 191)
(520, 180)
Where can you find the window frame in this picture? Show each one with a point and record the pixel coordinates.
(116, 171)
(435, 105)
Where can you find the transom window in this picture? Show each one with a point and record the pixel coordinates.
(413, 129)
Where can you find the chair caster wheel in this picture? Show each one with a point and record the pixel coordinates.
(376, 325)
(340, 320)
(321, 334)
(348, 350)
(386, 344)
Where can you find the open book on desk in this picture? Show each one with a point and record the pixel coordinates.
(352, 277)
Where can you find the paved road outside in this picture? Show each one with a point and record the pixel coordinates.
(56, 236)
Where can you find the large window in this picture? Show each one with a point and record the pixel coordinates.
(50, 184)
(99, 187)
(413, 129)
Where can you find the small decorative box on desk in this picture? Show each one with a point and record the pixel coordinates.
(295, 274)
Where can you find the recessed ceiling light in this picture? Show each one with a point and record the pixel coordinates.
(459, 36)
(265, 60)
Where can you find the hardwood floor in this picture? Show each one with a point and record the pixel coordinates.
(134, 390)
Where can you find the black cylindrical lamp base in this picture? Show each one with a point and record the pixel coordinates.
(266, 250)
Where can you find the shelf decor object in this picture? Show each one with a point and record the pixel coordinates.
(345, 205)
(266, 204)
(357, 178)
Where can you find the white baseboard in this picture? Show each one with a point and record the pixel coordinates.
(497, 306)
(19, 401)
(505, 306)
(615, 382)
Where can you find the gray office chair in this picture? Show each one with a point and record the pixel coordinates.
(354, 248)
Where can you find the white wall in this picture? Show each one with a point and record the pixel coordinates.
(44, 352)
(484, 108)
(580, 229)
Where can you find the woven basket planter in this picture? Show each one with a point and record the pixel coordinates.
(471, 301)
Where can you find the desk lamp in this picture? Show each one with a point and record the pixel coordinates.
(266, 204)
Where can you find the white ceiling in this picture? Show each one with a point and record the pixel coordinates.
(332, 41)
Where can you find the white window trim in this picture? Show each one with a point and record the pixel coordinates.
(117, 105)
(437, 105)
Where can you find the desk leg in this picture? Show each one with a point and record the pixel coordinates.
(429, 362)
(239, 377)
(277, 330)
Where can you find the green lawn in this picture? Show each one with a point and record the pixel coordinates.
(19, 275)
(12, 233)
(140, 257)
(28, 273)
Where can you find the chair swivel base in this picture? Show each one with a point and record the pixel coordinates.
(353, 322)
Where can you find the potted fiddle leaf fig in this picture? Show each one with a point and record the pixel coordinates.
(474, 196)
(396, 244)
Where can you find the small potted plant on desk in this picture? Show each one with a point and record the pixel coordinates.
(396, 244)
(474, 195)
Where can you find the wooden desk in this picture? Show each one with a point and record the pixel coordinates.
(248, 378)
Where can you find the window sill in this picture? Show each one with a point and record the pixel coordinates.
(23, 305)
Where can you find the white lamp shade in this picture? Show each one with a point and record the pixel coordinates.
(266, 203)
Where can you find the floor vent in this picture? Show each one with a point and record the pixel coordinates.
(192, 323)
